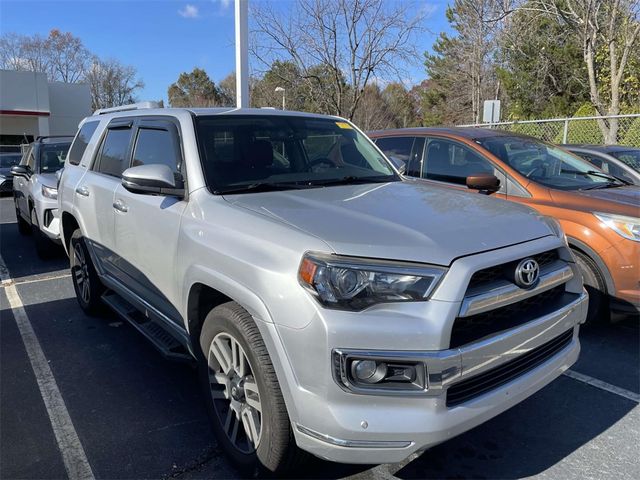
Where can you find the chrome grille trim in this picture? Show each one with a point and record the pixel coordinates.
(506, 293)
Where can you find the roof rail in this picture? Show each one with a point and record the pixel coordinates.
(131, 106)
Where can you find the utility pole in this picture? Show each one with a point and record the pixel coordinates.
(242, 53)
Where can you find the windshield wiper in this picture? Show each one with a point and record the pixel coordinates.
(595, 173)
(262, 187)
(353, 180)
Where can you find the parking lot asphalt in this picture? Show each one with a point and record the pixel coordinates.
(137, 415)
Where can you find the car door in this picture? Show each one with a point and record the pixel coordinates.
(451, 162)
(21, 184)
(147, 226)
(95, 192)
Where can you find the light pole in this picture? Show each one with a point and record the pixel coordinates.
(280, 89)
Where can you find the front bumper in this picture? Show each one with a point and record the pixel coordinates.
(47, 211)
(388, 428)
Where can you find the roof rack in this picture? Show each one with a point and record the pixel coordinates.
(131, 106)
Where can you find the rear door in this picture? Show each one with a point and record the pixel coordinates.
(95, 192)
(147, 226)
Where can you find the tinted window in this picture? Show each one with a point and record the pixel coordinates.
(9, 159)
(448, 161)
(52, 156)
(399, 147)
(631, 158)
(112, 159)
(155, 146)
(286, 152)
(81, 141)
(546, 164)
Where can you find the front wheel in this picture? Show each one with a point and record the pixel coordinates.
(23, 226)
(243, 396)
(596, 288)
(86, 282)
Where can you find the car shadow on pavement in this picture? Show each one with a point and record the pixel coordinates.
(526, 440)
(19, 255)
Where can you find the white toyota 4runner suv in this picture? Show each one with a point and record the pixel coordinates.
(333, 306)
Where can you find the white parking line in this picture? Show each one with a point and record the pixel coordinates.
(594, 382)
(73, 455)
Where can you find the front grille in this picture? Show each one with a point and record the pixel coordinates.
(504, 271)
(473, 387)
(470, 329)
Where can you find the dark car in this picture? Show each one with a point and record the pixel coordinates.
(618, 160)
(7, 160)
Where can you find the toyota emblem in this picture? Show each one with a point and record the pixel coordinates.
(527, 273)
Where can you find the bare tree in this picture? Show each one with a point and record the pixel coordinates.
(350, 42)
(611, 27)
(112, 83)
(61, 56)
(69, 60)
(20, 52)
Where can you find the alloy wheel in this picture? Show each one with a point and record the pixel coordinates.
(235, 393)
(81, 273)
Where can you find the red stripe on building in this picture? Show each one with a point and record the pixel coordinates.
(25, 113)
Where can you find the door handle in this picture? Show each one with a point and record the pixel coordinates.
(120, 206)
(84, 191)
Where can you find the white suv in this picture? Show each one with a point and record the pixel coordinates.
(35, 191)
(332, 305)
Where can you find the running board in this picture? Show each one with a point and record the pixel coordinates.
(156, 333)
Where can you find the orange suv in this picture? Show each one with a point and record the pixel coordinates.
(599, 213)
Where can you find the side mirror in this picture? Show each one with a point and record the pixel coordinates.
(400, 165)
(20, 170)
(154, 179)
(484, 182)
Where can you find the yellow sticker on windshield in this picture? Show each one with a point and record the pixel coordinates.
(344, 125)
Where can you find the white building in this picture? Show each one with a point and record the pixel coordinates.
(31, 107)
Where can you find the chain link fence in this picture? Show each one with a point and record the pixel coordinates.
(573, 130)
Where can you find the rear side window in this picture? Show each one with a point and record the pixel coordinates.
(113, 155)
(81, 141)
(156, 146)
(399, 147)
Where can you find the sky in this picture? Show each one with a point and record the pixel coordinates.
(162, 38)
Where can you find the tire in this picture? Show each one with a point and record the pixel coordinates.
(23, 226)
(86, 282)
(595, 285)
(276, 451)
(44, 246)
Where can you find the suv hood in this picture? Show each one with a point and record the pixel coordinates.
(48, 179)
(406, 220)
(620, 200)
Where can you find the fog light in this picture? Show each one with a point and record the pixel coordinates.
(368, 371)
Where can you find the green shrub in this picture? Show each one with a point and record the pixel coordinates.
(632, 134)
(582, 131)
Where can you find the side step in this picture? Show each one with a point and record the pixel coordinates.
(160, 337)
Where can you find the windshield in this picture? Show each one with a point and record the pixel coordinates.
(546, 164)
(630, 157)
(242, 152)
(8, 160)
(52, 156)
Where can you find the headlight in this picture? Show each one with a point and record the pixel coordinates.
(627, 227)
(350, 283)
(50, 192)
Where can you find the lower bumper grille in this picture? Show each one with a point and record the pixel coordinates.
(475, 386)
